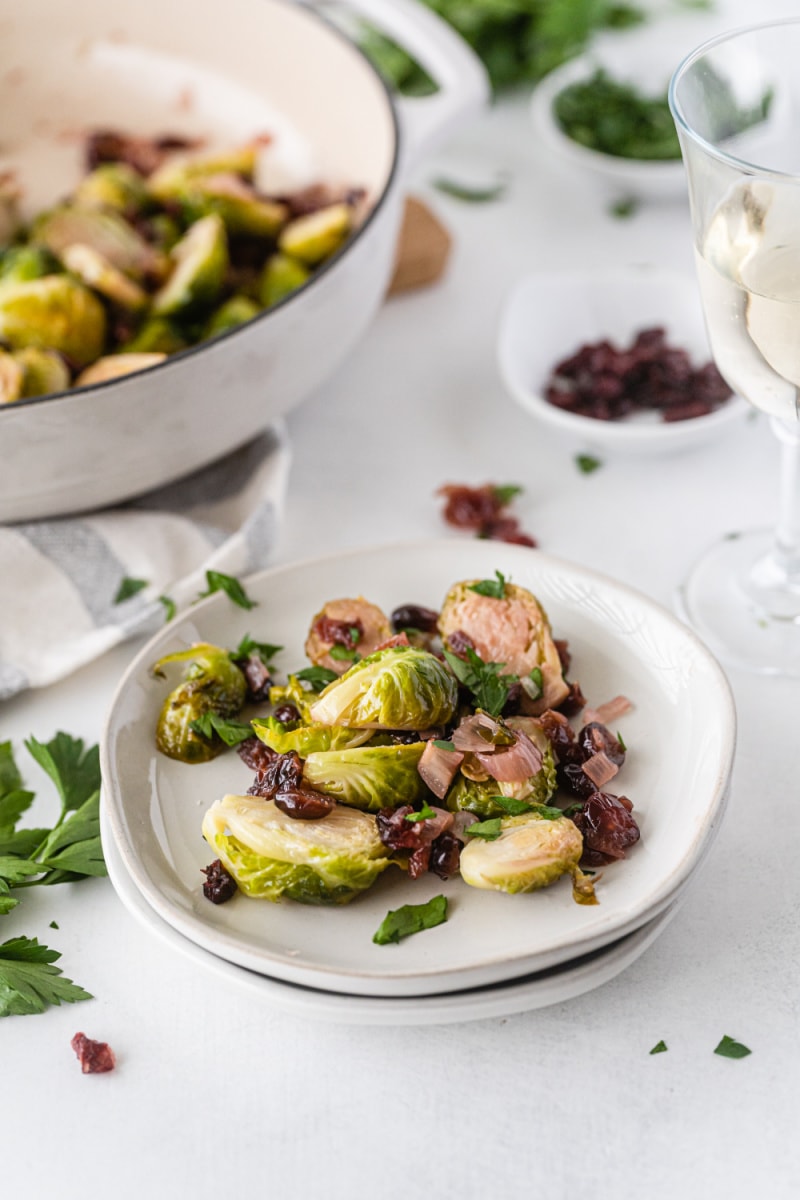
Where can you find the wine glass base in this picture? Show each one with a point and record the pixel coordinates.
(736, 603)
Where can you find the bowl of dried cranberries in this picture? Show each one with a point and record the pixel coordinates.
(615, 359)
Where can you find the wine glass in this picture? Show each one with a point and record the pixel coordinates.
(736, 105)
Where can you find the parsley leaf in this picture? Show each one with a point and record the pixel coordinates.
(218, 582)
(231, 732)
(10, 778)
(424, 814)
(621, 209)
(170, 607)
(343, 654)
(441, 744)
(129, 587)
(586, 463)
(488, 830)
(29, 983)
(659, 1048)
(496, 588)
(504, 493)
(730, 1048)
(411, 918)
(248, 646)
(515, 808)
(75, 772)
(484, 680)
(73, 849)
(12, 806)
(469, 194)
(318, 677)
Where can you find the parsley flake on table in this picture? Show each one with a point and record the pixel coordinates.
(471, 194)
(233, 589)
(231, 732)
(587, 463)
(411, 918)
(129, 587)
(659, 1048)
(29, 983)
(730, 1048)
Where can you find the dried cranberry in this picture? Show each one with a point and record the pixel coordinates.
(564, 656)
(418, 861)
(469, 507)
(414, 616)
(219, 885)
(596, 738)
(558, 730)
(445, 855)
(574, 701)
(282, 773)
(255, 754)
(304, 804)
(608, 826)
(257, 676)
(339, 633)
(395, 831)
(94, 1057)
(507, 529)
(573, 779)
(286, 713)
(459, 643)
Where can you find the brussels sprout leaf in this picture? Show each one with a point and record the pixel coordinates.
(411, 918)
(496, 588)
(129, 587)
(231, 732)
(488, 830)
(318, 677)
(218, 582)
(730, 1048)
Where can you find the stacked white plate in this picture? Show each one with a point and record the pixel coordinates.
(495, 954)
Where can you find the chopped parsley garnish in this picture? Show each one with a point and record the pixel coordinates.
(496, 588)
(318, 677)
(54, 925)
(469, 194)
(233, 589)
(484, 680)
(488, 830)
(170, 607)
(129, 587)
(506, 492)
(344, 654)
(248, 646)
(659, 1048)
(424, 814)
(622, 745)
(622, 209)
(411, 918)
(587, 463)
(231, 732)
(730, 1048)
(441, 744)
(515, 808)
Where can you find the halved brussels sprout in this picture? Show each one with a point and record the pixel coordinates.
(213, 683)
(364, 626)
(106, 232)
(113, 185)
(237, 310)
(44, 371)
(368, 777)
(11, 378)
(294, 693)
(281, 276)
(307, 739)
(396, 688)
(56, 313)
(170, 181)
(242, 210)
(530, 853)
(477, 796)
(318, 235)
(114, 366)
(20, 263)
(97, 272)
(201, 259)
(164, 230)
(156, 336)
(273, 856)
(512, 630)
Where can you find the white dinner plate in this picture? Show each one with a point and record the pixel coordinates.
(543, 988)
(680, 735)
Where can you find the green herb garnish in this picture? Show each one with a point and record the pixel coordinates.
(730, 1048)
(129, 587)
(488, 830)
(232, 733)
(343, 654)
(622, 209)
(504, 493)
(318, 677)
(533, 684)
(484, 680)
(29, 983)
(170, 607)
(424, 814)
(469, 194)
(248, 646)
(441, 744)
(659, 1048)
(218, 582)
(411, 918)
(496, 588)
(587, 463)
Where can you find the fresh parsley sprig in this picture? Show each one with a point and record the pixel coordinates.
(219, 582)
(483, 679)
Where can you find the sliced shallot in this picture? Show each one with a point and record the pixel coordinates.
(599, 768)
(438, 767)
(608, 711)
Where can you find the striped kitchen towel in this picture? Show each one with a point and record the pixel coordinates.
(71, 588)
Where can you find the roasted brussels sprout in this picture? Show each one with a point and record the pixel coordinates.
(272, 855)
(21, 263)
(104, 231)
(531, 852)
(368, 777)
(172, 180)
(317, 236)
(281, 276)
(234, 312)
(479, 796)
(11, 378)
(113, 185)
(200, 259)
(44, 371)
(97, 272)
(114, 366)
(241, 209)
(56, 313)
(511, 629)
(345, 630)
(156, 336)
(399, 687)
(307, 739)
(212, 683)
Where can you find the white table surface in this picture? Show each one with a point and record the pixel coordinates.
(216, 1092)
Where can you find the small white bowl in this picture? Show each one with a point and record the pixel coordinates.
(647, 68)
(551, 314)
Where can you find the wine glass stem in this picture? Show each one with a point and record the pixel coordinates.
(787, 533)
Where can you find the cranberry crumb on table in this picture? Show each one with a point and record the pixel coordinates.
(603, 381)
(429, 741)
(483, 510)
(94, 1057)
